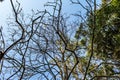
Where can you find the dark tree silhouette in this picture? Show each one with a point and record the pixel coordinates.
(1, 0)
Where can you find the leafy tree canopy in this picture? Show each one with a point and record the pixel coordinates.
(107, 30)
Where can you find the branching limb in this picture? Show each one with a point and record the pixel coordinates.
(20, 25)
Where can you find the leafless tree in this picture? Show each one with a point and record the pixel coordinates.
(42, 46)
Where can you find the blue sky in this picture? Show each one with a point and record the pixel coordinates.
(28, 5)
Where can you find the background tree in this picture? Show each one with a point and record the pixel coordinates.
(103, 41)
(106, 40)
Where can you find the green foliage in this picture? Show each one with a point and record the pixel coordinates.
(107, 30)
(106, 38)
(81, 32)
